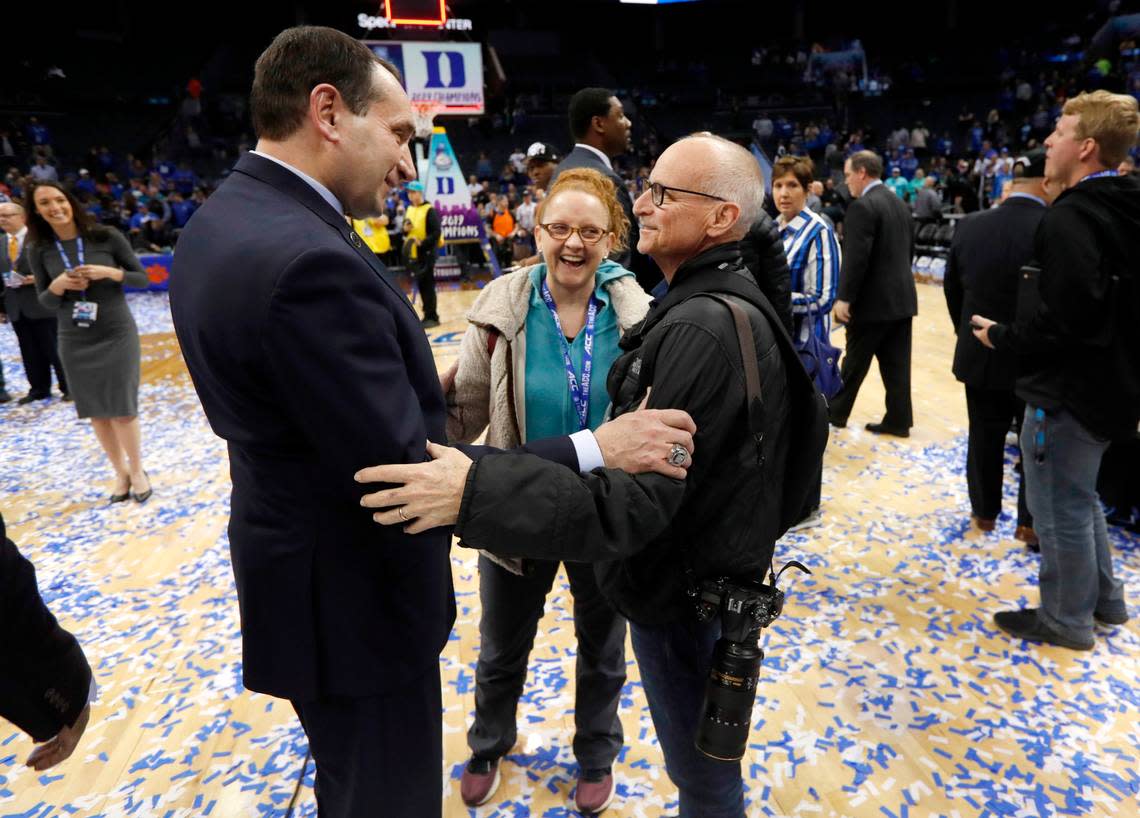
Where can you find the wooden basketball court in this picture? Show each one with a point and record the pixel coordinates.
(886, 690)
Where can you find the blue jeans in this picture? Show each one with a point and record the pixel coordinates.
(674, 661)
(1061, 459)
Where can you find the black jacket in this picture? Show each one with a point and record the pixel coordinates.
(982, 273)
(878, 245)
(763, 253)
(642, 532)
(1082, 345)
(44, 676)
(646, 269)
(20, 303)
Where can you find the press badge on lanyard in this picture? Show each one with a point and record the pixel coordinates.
(83, 312)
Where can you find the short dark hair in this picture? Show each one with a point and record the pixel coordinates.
(584, 106)
(868, 161)
(797, 166)
(298, 60)
(40, 232)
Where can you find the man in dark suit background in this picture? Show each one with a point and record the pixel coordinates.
(312, 364)
(877, 298)
(34, 324)
(46, 684)
(601, 131)
(982, 274)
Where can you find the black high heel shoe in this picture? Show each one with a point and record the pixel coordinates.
(143, 496)
(121, 498)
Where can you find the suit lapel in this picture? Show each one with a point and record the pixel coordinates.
(297, 188)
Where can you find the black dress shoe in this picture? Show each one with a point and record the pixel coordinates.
(4, 396)
(122, 498)
(429, 323)
(1111, 619)
(1025, 624)
(884, 429)
(142, 497)
(30, 398)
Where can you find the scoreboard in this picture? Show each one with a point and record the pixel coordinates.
(416, 12)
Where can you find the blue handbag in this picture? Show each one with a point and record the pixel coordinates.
(821, 359)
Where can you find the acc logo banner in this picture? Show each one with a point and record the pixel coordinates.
(449, 74)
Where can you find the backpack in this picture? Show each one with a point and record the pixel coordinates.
(807, 407)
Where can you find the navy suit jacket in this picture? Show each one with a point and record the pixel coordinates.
(983, 273)
(20, 303)
(878, 250)
(45, 677)
(312, 364)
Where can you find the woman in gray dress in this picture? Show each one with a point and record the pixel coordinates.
(80, 269)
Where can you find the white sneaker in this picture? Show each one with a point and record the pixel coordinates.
(813, 519)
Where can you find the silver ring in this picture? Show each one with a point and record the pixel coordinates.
(403, 515)
(678, 455)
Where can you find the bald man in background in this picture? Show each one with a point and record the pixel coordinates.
(35, 325)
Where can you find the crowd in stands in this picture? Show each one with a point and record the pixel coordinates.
(958, 169)
(961, 165)
(150, 202)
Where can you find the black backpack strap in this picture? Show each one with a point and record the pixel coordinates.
(748, 360)
(751, 366)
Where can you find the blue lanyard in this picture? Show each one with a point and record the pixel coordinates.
(67, 261)
(579, 394)
(63, 253)
(1098, 175)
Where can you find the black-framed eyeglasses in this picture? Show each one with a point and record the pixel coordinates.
(657, 191)
(561, 232)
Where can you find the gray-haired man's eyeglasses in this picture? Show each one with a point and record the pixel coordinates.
(657, 191)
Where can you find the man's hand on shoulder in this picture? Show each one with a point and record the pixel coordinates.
(642, 441)
(427, 495)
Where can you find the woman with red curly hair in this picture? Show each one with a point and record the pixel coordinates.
(533, 364)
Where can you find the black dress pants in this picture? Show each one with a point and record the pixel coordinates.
(991, 414)
(512, 607)
(381, 755)
(890, 342)
(40, 350)
(425, 280)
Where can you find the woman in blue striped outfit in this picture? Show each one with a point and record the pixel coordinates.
(813, 258)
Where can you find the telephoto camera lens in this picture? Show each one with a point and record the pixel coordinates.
(726, 718)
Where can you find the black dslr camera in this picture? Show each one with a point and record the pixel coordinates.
(745, 607)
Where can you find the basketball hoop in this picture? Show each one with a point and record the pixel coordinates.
(424, 113)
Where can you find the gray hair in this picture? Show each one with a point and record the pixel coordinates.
(735, 176)
(19, 207)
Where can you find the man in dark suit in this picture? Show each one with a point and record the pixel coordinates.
(46, 684)
(312, 364)
(34, 324)
(877, 299)
(601, 131)
(982, 273)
